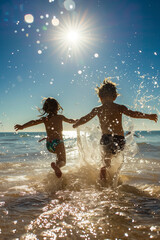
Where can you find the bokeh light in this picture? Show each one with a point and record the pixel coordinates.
(96, 55)
(28, 18)
(69, 5)
(39, 52)
(55, 21)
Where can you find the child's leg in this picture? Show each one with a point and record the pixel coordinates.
(103, 173)
(106, 160)
(61, 159)
(61, 155)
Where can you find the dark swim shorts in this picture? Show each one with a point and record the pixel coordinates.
(113, 143)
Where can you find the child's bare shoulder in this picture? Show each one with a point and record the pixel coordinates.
(96, 109)
(61, 117)
(122, 108)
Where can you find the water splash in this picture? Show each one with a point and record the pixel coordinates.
(90, 154)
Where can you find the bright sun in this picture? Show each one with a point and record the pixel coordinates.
(74, 35)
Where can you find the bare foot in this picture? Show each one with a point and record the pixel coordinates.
(56, 169)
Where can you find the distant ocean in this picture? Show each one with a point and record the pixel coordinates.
(35, 205)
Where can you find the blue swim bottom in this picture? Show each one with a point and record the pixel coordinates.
(51, 145)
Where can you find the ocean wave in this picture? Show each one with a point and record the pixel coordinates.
(141, 190)
(9, 140)
(149, 146)
(12, 165)
(41, 178)
(2, 154)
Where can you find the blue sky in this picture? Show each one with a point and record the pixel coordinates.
(118, 39)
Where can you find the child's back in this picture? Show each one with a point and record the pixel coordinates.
(54, 126)
(110, 118)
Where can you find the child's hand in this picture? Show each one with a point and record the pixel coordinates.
(75, 125)
(153, 117)
(18, 127)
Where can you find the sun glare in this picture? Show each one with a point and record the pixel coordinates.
(74, 34)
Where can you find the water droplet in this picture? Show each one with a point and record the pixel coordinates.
(39, 51)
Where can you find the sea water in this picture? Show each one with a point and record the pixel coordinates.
(35, 204)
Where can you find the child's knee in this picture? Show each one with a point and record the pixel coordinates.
(61, 163)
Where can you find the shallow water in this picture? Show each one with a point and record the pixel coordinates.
(34, 204)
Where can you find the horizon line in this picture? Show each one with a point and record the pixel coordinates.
(152, 130)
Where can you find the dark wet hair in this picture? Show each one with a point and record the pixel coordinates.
(107, 88)
(50, 106)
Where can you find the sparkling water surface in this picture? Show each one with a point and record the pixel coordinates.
(34, 204)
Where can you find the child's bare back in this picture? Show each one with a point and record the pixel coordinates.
(54, 126)
(110, 118)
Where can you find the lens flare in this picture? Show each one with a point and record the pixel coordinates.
(96, 55)
(39, 52)
(55, 22)
(69, 5)
(28, 18)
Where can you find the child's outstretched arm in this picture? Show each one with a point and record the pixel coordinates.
(69, 120)
(86, 118)
(28, 124)
(136, 114)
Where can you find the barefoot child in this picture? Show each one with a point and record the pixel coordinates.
(53, 124)
(110, 118)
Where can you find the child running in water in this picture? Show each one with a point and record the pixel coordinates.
(53, 125)
(110, 118)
